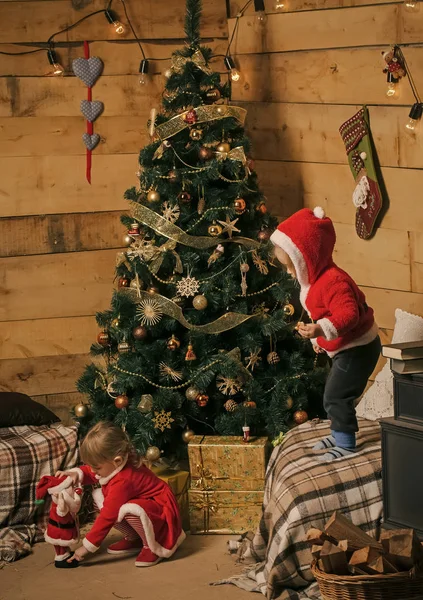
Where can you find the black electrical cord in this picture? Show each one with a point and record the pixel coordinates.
(133, 30)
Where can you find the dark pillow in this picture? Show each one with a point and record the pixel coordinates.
(19, 409)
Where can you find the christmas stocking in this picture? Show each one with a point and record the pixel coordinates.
(367, 196)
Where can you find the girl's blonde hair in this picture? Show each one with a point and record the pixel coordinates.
(104, 442)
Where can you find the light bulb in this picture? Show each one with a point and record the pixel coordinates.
(143, 70)
(279, 5)
(234, 74)
(392, 90)
(119, 27)
(58, 70)
(412, 5)
(261, 18)
(414, 117)
(411, 124)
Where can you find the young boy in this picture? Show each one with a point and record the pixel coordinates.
(343, 324)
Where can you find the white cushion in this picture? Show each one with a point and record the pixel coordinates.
(378, 401)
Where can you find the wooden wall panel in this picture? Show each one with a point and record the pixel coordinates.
(295, 5)
(56, 285)
(152, 19)
(53, 184)
(62, 404)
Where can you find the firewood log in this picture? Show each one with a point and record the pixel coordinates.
(342, 528)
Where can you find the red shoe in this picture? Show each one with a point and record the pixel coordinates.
(125, 546)
(146, 558)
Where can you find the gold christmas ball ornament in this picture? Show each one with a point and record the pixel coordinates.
(153, 196)
(140, 332)
(146, 403)
(215, 229)
(116, 322)
(121, 401)
(223, 147)
(173, 343)
(196, 134)
(249, 404)
(152, 454)
(152, 289)
(230, 405)
(240, 205)
(123, 282)
(273, 358)
(288, 310)
(192, 393)
(81, 411)
(103, 338)
(289, 403)
(124, 347)
(300, 417)
(127, 240)
(200, 302)
(187, 435)
(264, 235)
(202, 400)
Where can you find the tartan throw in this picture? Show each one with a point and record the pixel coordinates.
(26, 454)
(301, 492)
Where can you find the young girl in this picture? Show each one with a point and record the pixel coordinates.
(131, 499)
(343, 324)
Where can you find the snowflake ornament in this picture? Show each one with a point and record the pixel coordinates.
(188, 286)
(162, 420)
(167, 371)
(227, 386)
(253, 359)
(149, 312)
(171, 213)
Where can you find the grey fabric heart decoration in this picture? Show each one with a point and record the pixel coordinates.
(88, 69)
(91, 141)
(91, 109)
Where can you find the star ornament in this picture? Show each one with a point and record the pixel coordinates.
(253, 359)
(229, 226)
(162, 420)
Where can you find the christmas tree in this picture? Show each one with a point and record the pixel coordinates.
(200, 336)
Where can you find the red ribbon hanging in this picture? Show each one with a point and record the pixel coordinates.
(90, 126)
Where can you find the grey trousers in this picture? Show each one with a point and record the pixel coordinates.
(346, 382)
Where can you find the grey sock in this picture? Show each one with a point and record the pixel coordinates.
(335, 452)
(327, 442)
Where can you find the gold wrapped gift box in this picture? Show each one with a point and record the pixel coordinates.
(178, 481)
(224, 511)
(228, 463)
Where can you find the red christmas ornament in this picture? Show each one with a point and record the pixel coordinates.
(264, 235)
(121, 401)
(261, 208)
(140, 332)
(202, 400)
(205, 153)
(184, 197)
(103, 338)
(249, 404)
(190, 117)
(240, 205)
(124, 282)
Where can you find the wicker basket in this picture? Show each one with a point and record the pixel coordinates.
(395, 586)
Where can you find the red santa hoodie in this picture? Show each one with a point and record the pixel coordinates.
(330, 296)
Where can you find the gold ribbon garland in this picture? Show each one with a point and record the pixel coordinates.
(204, 114)
(228, 321)
(164, 227)
(178, 62)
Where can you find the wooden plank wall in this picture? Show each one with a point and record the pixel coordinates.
(59, 235)
(306, 72)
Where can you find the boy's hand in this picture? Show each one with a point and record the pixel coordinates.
(79, 554)
(318, 349)
(309, 331)
(72, 474)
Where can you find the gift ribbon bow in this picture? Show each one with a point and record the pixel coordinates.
(178, 62)
(208, 504)
(204, 477)
(236, 154)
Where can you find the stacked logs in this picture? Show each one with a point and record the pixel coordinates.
(344, 549)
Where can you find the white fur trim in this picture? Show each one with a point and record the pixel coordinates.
(59, 542)
(134, 509)
(319, 212)
(329, 329)
(89, 546)
(104, 480)
(72, 502)
(278, 238)
(98, 497)
(60, 557)
(80, 473)
(368, 337)
(61, 486)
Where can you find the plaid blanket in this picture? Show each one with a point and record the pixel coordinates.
(26, 454)
(301, 492)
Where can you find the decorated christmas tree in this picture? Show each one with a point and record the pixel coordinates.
(200, 336)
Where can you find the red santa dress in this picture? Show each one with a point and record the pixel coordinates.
(329, 295)
(134, 491)
(62, 528)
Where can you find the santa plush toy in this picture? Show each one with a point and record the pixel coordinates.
(62, 529)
